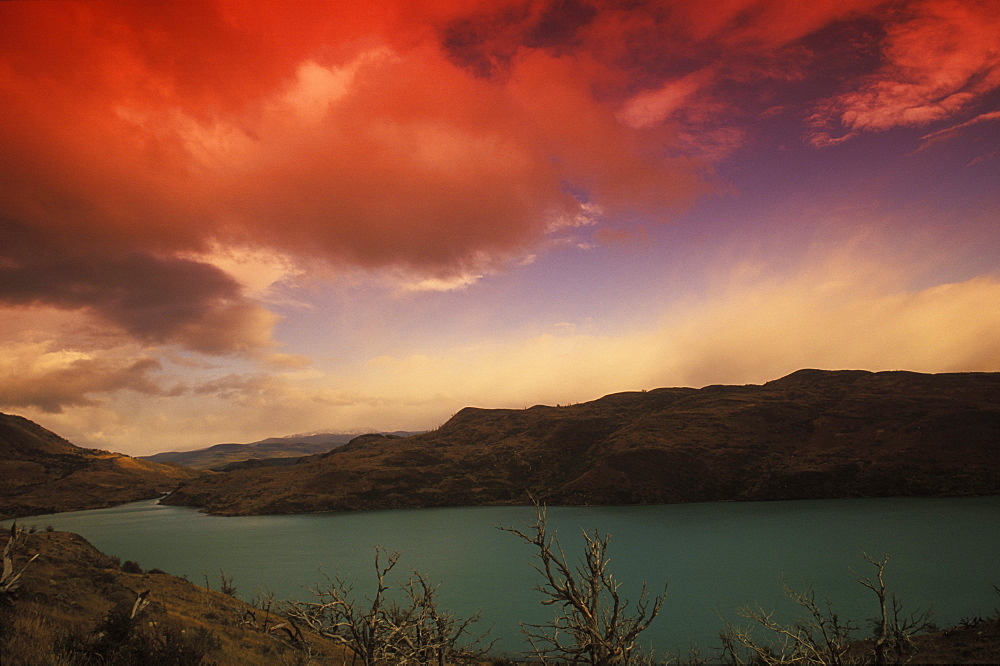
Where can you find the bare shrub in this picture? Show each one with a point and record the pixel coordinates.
(386, 628)
(226, 585)
(892, 630)
(132, 567)
(592, 624)
(10, 580)
(123, 638)
(820, 636)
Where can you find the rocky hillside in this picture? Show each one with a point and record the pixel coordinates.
(40, 472)
(812, 434)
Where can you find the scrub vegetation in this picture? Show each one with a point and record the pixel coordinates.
(390, 629)
(821, 636)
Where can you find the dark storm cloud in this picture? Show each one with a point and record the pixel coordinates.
(153, 299)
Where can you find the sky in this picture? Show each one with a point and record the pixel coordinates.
(227, 220)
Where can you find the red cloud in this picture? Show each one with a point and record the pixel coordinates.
(437, 137)
(941, 57)
(163, 127)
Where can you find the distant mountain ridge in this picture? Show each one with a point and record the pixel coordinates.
(272, 449)
(40, 472)
(811, 434)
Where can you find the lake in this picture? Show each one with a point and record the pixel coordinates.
(715, 557)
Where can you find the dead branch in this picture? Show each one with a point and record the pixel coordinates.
(592, 623)
(406, 629)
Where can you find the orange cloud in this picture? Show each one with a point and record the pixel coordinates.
(354, 133)
(138, 134)
(39, 376)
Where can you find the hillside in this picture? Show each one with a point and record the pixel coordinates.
(272, 449)
(41, 472)
(812, 434)
(66, 593)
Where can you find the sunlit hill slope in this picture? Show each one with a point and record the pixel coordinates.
(41, 472)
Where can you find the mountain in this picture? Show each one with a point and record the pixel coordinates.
(272, 450)
(40, 472)
(812, 434)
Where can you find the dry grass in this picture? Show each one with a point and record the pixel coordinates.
(32, 637)
(71, 587)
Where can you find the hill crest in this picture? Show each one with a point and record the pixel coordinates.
(811, 434)
(265, 452)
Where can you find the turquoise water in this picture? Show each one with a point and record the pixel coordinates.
(715, 557)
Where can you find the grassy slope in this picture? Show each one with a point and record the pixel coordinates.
(72, 585)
